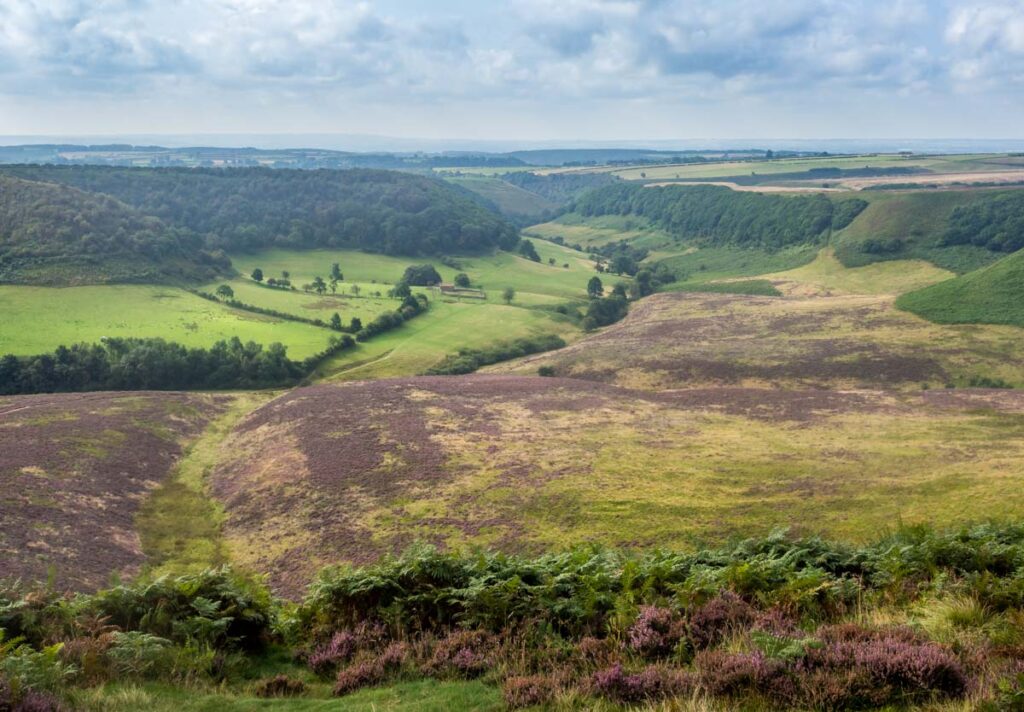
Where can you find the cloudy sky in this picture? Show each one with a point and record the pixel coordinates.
(520, 69)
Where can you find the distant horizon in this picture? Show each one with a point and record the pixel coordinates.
(361, 143)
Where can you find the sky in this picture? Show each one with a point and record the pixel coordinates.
(534, 70)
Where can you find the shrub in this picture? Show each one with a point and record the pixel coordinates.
(722, 615)
(656, 632)
(137, 654)
(462, 653)
(736, 674)
(546, 371)
(339, 649)
(279, 686)
(28, 669)
(529, 690)
(651, 683)
(354, 677)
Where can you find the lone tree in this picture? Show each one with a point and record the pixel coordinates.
(356, 325)
(257, 275)
(508, 295)
(355, 289)
(421, 275)
(336, 321)
(285, 274)
(336, 274)
(319, 285)
(225, 292)
(334, 286)
(462, 280)
(594, 288)
(527, 250)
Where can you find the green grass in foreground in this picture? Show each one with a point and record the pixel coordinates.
(38, 319)
(420, 695)
(990, 295)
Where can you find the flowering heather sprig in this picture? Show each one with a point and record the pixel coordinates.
(651, 683)
(340, 649)
(529, 690)
(655, 632)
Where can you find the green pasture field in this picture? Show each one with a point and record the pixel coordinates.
(601, 230)
(890, 277)
(444, 329)
(945, 164)
(535, 282)
(366, 306)
(39, 319)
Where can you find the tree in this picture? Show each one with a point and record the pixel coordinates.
(595, 288)
(336, 321)
(356, 325)
(319, 285)
(421, 275)
(400, 291)
(225, 292)
(508, 295)
(527, 250)
(551, 261)
(257, 275)
(334, 286)
(336, 274)
(285, 274)
(619, 290)
(462, 280)
(355, 289)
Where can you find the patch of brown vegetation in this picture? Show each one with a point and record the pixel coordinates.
(74, 469)
(685, 340)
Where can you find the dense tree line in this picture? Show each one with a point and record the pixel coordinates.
(469, 360)
(250, 208)
(722, 216)
(149, 364)
(996, 223)
(46, 227)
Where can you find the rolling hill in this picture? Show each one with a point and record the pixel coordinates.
(249, 208)
(990, 295)
(55, 234)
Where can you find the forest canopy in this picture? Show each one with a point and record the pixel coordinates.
(239, 209)
(721, 216)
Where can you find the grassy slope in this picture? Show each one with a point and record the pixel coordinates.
(918, 221)
(179, 524)
(893, 277)
(38, 319)
(447, 327)
(990, 295)
(510, 199)
(601, 230)
(842, 341)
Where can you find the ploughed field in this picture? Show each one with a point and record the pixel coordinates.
(349, 472)
(685, 340)
(74, 471)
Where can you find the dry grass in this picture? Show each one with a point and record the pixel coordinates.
(335, 473)
(686, 340)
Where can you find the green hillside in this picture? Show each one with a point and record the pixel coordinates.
(513, 202)
(52, 234)
(990, 295)
(249, 208)
(902, 225)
